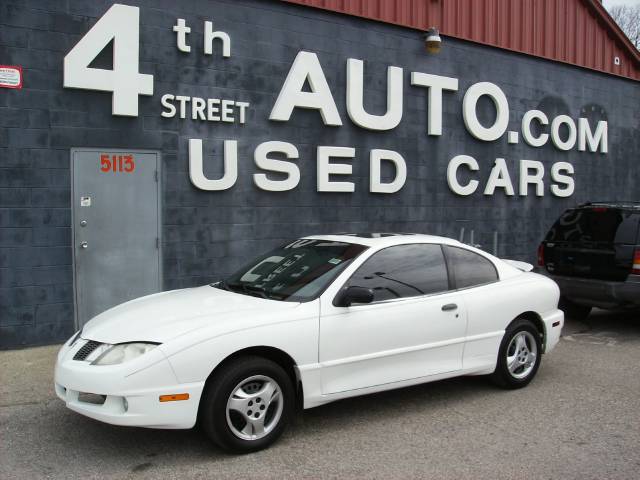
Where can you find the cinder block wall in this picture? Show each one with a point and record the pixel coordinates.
(208, 234)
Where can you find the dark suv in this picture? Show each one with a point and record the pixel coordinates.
(593, 253)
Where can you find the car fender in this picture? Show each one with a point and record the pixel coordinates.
(294, 331)
(494, 306)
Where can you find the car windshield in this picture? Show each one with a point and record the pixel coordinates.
(296, 272)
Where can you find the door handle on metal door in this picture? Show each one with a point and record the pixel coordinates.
(449, 306)
(84, 245)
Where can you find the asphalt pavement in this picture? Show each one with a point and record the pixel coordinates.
(579, 419)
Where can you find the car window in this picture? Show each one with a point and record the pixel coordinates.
(595, 225)
(403, 271)
(296, 272)
(628, 229)
(470, 268)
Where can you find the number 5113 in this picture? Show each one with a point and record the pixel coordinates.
(117, 163)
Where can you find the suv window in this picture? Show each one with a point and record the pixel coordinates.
(403, 271)
(595, 225)
(469, 268)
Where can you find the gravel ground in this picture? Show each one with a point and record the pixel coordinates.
(578, 419)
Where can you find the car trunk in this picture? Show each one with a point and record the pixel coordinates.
(593, 242)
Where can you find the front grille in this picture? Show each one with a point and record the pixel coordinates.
(86, 350)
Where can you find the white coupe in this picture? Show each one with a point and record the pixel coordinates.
(316, 320)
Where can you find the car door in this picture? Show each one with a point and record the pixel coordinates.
(477, 280)
(414, 327)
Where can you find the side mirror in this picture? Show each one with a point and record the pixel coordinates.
(352, 295)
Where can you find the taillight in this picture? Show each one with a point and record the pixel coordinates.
(541, 255)
(635, 269)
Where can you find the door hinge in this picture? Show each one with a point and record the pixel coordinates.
(155, 174)
(157, 243)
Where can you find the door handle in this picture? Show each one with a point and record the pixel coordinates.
(84, 245)
(449, 306)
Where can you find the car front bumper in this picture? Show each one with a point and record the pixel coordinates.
(131, 391)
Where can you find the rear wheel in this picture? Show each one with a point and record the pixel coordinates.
(519, 356)
(247, 405)
(573, 310)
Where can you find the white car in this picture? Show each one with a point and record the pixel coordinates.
(319, 319)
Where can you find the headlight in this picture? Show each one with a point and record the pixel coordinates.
(123, 352)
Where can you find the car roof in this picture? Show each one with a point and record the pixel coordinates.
(385, 239)
(379, 241)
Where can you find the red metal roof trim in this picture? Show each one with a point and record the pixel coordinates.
(611, 24)
(578, 32)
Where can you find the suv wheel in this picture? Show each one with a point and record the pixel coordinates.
(573, 310)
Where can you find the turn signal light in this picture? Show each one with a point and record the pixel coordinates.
(541, 255)
(635, 269)
(174, 398)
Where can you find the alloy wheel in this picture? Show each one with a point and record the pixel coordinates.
(254, 407)
(521, 354)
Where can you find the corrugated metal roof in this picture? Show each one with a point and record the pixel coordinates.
(579, 32)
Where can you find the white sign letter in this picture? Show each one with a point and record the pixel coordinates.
(121, 23)
(355, 98)
(535, 178)
(471, 121)
(499, 178)
(556, 175)
(210, 36)
(325, 168)
(436, 84)
(526, 128)
(182, 30)
(570, 142)
(452, 177)
(196, 172)
(166, 103)
(264, 162)
(306, 67)
(594, 139)
(375, 182)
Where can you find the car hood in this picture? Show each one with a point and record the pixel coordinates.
(167, 315)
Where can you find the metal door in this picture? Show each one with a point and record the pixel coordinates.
(116, 228)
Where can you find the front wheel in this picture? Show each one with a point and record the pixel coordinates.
(247, 405)
(519, 356)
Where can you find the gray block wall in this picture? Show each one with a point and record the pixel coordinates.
(207, 235)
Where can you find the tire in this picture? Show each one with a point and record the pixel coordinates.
(573, 310)
(519, 355)
(247, 387)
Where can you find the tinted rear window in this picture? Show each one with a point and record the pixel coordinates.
(470, 268)
(587, 225)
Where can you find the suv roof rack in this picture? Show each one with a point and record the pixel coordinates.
(615, 203)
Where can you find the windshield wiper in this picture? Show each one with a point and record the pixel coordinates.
(221, 285)
(246, 289)
(249, 290)
(261, 292)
